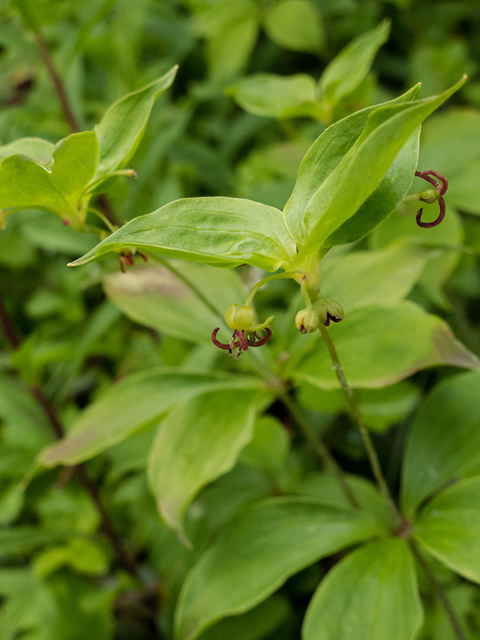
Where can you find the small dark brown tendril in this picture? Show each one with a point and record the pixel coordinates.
(426, 175)
(331, 318)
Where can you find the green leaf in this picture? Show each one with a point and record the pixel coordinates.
(28, 607)
(380, 345)
(380, 408)
(386, 197)
(269, 446)
(128, 406)
(444, 441)
(323, 158)
(324, 489)
(448, 527)
(370, 595)
(258, 550)
(21, 539)
(363, 167)
(122, 127)
(363, 278)
(24, 183)
(230, 48)
(83, 555)
(197, 443)
(35, 148)
(218, 231)
(256, 624)
(347, 70)
(154, 296)
(295, 25)
(266, 94)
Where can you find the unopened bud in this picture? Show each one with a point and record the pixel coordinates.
(241, 318)
(307, 321)
(430, 196)
(328, 310)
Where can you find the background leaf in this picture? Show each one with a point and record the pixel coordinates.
(128, 406)
(370, 595)
(444, 440)
(256, 624)
(257, 552)
(351, 65)
(296, 25)
(197, 443)
(362, 278)
(379, 345)
(448, 527)
(39, 150)
(266, 94)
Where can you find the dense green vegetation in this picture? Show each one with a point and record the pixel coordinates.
(150, 485)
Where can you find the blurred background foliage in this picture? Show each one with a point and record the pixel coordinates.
(58, 576)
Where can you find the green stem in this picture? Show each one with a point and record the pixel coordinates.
(103, 218)
(320, 449)
(367, 441)
(122, 172)
(276, 276)
(439, 592)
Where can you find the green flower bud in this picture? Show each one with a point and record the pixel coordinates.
(241, 318)
(328, 310)
(307, 321)
(430, 196)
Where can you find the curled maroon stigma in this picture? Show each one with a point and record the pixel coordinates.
(441, 189)
(240, 341)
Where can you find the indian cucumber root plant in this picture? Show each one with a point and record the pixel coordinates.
(240, 452)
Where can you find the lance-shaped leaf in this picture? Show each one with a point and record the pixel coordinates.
(197, 443)
(444, 441)
(296, 25)
(122, 127)
(266, 94)
(24, 183)
(380, 345)
(130, 405)
(35, 148)
(154, 296)
(218, 231)
(387, 196)
(449, 528)
(347, 70)
(370, 595)
(258, 550)
(363, 167)
(323, 158)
